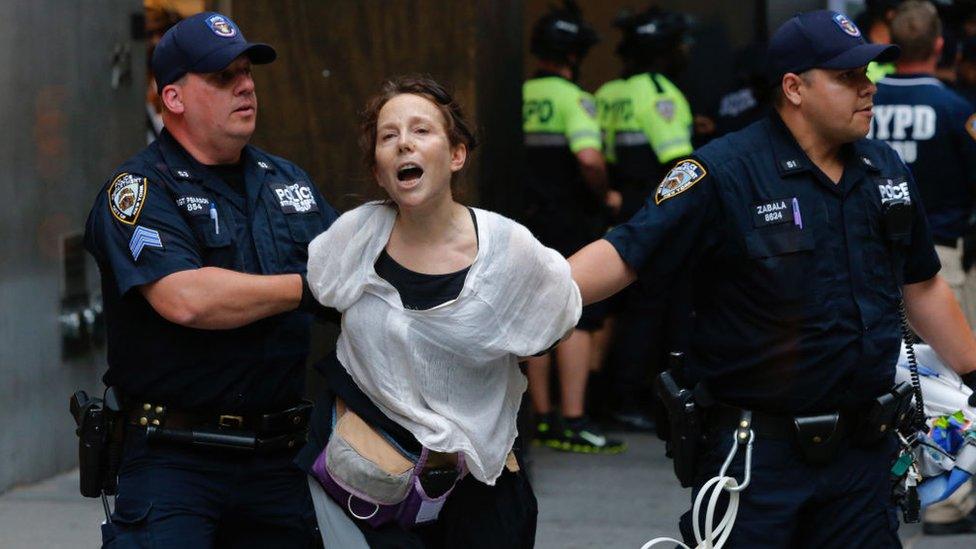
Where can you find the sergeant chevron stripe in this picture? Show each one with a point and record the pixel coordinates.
(141, 238)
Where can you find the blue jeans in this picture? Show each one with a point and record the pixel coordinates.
(793, 505)
(189, 498)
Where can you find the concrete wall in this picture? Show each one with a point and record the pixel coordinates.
(64, 129)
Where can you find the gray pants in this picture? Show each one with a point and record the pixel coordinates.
(338, 530)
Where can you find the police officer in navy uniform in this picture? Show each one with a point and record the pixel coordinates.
(803, 238)
(933, 129)
(201, 240)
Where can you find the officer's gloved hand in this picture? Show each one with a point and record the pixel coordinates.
(308, 304)
(968, 251)
(969, 244)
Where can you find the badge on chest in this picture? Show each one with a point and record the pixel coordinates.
(194, 205)
(295, 197)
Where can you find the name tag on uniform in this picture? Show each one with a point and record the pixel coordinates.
(194, 205)
(774, 212)
(295, 197)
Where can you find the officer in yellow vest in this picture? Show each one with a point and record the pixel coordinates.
(645, 119)
(566, 203)
(647, 126)
(876, 20)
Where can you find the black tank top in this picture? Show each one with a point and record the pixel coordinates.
(419, 291)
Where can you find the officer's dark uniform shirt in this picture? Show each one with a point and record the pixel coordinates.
(165, 212)
(796, 288)
(933, 129)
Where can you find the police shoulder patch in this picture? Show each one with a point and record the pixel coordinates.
(971, 126)
(682, 177)
(665, 108)
(126, 196)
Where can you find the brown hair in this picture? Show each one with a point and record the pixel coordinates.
(458, 130)
(915, 28)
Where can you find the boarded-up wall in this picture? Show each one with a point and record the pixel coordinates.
(333, 55)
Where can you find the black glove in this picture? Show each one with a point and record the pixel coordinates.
(968, 251)
(309, 304)
(969, 244)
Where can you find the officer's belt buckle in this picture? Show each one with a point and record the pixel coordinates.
(230, 422)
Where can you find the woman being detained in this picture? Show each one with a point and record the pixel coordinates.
(438, 302)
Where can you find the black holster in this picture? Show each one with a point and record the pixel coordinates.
(100, 427)
(892, 410)
(685, 420)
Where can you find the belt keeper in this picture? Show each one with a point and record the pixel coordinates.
(743, 428)
(231, 422)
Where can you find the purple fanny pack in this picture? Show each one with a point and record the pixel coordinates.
(365, 473)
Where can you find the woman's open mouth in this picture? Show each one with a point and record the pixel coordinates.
(409, 173)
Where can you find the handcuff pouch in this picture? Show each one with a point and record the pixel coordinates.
(818, 437)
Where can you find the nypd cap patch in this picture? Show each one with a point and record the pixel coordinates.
(847, 25)
(221, 26)
(681, 178)
(126, 196)
(971, 126)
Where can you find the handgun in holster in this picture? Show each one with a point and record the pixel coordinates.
(99, 433)
(685, 419)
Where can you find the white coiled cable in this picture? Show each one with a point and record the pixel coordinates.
(714, 537)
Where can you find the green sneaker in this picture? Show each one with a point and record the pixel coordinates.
(582, 436)
(546, 431)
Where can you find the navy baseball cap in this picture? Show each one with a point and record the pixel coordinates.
(205, 42)
(822, 39)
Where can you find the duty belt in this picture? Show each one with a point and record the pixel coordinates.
(282, 430)
(723, 417)
(820, 436)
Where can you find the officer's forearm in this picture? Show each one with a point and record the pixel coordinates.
(599, 271)
(219, 299)
(935, 315)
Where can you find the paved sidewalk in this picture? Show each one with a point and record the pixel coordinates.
(585, 501)
(603, 502)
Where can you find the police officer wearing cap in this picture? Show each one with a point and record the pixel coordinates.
(802, 237)
(201, 240)
(566, 200)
